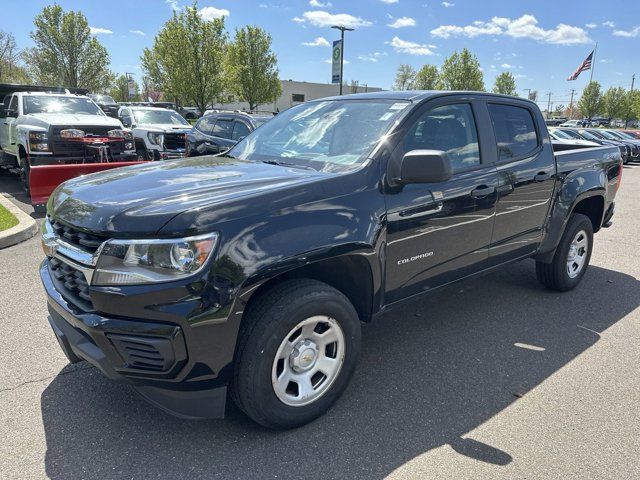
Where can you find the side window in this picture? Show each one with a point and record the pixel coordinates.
(13, 106)
(450, 128)
(240, 130)
(222, 129)
(515, 130)
(5, 106)
(205, 125)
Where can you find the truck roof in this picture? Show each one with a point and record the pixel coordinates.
(9, 88)
(416, 95)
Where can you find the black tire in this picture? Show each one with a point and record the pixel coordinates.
(24, 177)
(142, 154)
(555, 275)
(269, 321)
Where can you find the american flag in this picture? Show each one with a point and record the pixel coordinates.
(586, 65)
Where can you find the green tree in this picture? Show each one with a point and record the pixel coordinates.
(405, 77)
(614, 102)
(253, 67)
(461, 71)
(427, 78)
(10, 69)
(120, 90)
(590, 103)
(505, 84)
(186, 60)
(65, 52)
(559, 111)
(633, 105)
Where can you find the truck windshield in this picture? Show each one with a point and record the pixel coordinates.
(330, 135)
(59, 104)
(161, 117)
(560, 134)
(104, 99)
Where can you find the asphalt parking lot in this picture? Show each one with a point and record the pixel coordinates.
(491, 378)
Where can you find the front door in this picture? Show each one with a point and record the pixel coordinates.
(439, 232)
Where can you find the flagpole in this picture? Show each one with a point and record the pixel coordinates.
(593, 63)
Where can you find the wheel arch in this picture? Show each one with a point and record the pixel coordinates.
(349, 274)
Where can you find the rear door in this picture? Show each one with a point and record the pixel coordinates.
(527, 171)
(439, 232)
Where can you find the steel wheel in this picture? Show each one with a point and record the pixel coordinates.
(577, 254)
(308, 361)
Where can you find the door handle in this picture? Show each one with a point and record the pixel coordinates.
(542, 176)
(482, 191)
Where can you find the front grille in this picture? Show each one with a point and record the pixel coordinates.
(69, 148)
(83, 240)
(174, 141)
(90, 130)
(71, 283)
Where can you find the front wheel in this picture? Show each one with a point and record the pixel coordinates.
(296, 353)
(572, 256)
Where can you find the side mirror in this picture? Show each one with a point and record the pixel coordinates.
(424, 166)
(12, 113)
(126, 122)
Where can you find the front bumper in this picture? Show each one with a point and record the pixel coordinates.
(36, 159)
(147, 355)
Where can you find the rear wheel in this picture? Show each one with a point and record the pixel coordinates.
(571, 258)
(25, 170)
(296, 353)
(142, 153)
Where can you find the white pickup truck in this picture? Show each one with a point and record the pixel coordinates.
(51, 137)
(159, 133)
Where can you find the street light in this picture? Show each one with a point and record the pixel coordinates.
(342, 29)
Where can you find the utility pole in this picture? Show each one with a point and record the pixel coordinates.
(571, 102)
(633, 79)
(549, 105)
(342, 29)
(528, 90)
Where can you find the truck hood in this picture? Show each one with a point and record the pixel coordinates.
(140, 200)
(157, 127)
(73, 119)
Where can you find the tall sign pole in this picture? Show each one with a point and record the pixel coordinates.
(593, 62)
(633, 80)
(337, 57)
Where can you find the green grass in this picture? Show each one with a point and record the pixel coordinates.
(7, 219)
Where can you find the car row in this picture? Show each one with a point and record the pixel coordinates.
(628, 141)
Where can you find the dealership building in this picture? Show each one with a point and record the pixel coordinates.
(294, 93)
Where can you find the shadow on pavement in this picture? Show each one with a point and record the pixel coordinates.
(430, 372)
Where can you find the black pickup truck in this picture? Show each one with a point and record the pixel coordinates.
(249, 272)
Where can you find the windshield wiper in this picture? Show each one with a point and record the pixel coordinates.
(287, 164)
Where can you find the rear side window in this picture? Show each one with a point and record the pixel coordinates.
(515, 130)
(222, 129)
(240, 130)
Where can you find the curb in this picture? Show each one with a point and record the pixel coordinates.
(26, 228)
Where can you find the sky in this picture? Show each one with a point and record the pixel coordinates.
(541, 42)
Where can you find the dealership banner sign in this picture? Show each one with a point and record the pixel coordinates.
(336, 56)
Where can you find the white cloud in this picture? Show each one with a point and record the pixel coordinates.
(137, 32)
(604, 60)
(591, 25)
(402, 22)
(506, 65)
(412, 48)
(447, 4)
(521, 75)
(209, 14)
(345, 61)
(609, 23)
(389, 1)
(263, 5)
(372, 57)
(634, 32)
(320, 18)
(319, 4)
(173, 4)
(100, 31)
(524, 27)
(318, 42)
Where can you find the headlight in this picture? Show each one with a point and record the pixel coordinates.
(119, 133)
(72, 133)
(38, 142)
(156, 138)
(130, 262)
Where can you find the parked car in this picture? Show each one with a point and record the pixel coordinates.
(600, 122)
(625, 150)
(632, 147)
(50, 137)
(217, 132)
(190, 113)
(249, 272)
(159, 133)
(560, 137)
(573, 123)
(633, 133)
(106, 103)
